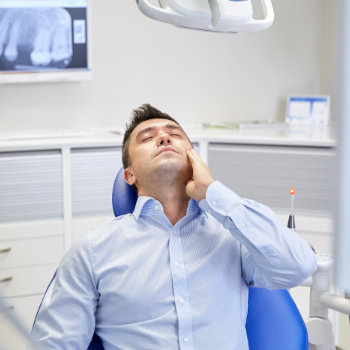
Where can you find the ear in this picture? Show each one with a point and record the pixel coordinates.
(129, 176)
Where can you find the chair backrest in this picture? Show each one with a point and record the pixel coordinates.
(274, 321)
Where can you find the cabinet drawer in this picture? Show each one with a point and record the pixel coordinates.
(30, 185)
(24, 308)
(265, 173)
(28, 252)
(93, 174)
(31, 229)
(25, 281)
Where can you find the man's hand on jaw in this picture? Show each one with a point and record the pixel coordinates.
(197, 186)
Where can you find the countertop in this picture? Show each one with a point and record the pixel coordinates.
(274, 134)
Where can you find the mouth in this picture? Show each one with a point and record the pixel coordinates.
(165, 149)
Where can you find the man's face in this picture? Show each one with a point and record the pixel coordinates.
(158, 149)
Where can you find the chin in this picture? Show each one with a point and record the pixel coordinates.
(169, 166)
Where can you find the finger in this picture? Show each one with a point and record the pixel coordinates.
(189, 180)
(196, 155)
(191, 156)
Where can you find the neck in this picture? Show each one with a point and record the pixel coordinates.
(174, 201)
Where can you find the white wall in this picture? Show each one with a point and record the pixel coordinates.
(195, 76)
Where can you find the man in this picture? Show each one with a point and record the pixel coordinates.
(175, 273)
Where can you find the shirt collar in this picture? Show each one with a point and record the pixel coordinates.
(149, 206)
(143, 205)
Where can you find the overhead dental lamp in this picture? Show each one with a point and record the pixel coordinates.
(226, 16)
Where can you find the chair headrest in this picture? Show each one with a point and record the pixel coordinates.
(124, 196)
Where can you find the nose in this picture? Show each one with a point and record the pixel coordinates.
(164, 140)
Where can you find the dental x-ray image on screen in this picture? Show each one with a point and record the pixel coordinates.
(43, 35)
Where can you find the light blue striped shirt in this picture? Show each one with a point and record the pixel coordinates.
(144, 284)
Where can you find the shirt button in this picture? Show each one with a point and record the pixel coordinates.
(182, 301)
(243, 225)
(177, 264)
(214, 203)
(156, 207)
(186, 339)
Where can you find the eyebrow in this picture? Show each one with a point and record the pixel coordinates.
(151, 128)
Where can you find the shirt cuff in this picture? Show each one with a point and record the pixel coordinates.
(220, 201)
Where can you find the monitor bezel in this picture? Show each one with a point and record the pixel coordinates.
(62, 75)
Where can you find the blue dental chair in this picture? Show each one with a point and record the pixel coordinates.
(273, 321)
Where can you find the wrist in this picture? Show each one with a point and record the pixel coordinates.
(205, 189)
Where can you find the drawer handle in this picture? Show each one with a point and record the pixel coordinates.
(9, 308)
(6, 279)
(5, 250)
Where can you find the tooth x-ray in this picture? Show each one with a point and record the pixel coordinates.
(36, 36)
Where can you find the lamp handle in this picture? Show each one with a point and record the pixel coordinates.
(251, 25)
(168, 15)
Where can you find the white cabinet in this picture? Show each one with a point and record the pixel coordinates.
(27, 264)
(31, 233)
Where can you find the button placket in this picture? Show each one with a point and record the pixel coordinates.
(180, 290)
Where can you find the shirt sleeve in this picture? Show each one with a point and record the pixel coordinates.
(66, 317)
(272, 255)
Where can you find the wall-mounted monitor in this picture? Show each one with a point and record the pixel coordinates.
(44, 40)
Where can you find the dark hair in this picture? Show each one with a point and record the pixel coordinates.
(139, 115)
